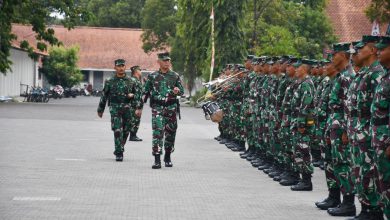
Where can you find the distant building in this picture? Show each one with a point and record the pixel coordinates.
(349, 20)
(99, 47)
(24, 71)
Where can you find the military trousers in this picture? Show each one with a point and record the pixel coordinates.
(302, 159)
(164, 125)
(341, 157)
(120, 125)
(134, 122)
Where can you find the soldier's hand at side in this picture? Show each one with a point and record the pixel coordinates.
(301, 130)
(130, 95)
(344, 138)
(388, 152)
(100, 114)
(138, 113)
(176, 90)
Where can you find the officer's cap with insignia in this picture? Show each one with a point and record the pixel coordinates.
(341, 47)
(367, 39)
(383, 43)
(163, 56)
(324, 62)
(134, 68)
(353, 49)
(119, 62)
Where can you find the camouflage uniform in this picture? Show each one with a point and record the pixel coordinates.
(321, 113)
(336, 127)
(164, 106)
(246, 110)
(380, 128)
(302, 111)
(115, 92)
(368, 173)
(135, 120)
(286, 136)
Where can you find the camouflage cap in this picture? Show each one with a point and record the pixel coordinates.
(250, 57)
(353, 49)
(119, 62)
(383, 43)
(367, 39)
(341, 47)
(164, 56)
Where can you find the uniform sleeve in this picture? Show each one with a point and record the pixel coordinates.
(104, 97)
(148, 85)
(138, 95)
(180, 86)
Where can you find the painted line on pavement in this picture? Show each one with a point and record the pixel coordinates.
(36, 199)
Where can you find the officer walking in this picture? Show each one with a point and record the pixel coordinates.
(163, 87)
(119, 91)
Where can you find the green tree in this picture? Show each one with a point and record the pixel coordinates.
(158, 23)
(60, 67)
(115, 13)
(35, 13)
(379, 10)
(275, 41)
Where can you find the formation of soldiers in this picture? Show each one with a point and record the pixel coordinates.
(296, 114)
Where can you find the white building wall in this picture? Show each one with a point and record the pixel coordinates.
(24, 71)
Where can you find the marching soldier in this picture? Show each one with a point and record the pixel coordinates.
(136, 77)
(163, 87)
(120, 91)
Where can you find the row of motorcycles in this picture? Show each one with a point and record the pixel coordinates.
(38, 94)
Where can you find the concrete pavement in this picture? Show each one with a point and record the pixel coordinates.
(56, 162)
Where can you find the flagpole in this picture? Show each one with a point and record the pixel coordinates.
(212, 43)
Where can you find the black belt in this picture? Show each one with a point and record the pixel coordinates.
(380, 121)
(163, 103)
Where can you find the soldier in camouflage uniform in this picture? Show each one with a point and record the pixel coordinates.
(372, 73)
(246, 109)
(135, 122)
(163, 87)
(303, 124)
(123, 99)
(337, 131)
(291, 175)
(380, 126)
(284, 81)
(321, 114)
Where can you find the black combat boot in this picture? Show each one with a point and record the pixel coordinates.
(271, 169)
(266, 165)
(278, 171)
(119, 157)
(290, 180)
(332, 201)
(322, 164)
(231, 144)
(167, 159)
(224, 140)
(283, 175)
(157, 162)
(346, 208)
(304, 184)
(316, 155)
(247, 153)
(218, 138)
(240, 146)
(133, 137)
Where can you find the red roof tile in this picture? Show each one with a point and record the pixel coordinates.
(349, 20)
(99, 47)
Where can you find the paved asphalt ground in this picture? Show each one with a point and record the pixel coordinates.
(56, 162)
